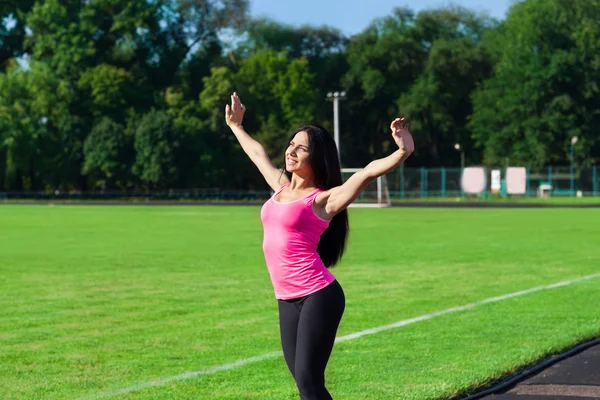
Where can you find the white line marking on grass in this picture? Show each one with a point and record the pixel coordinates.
(245, 361)
(187, 375)
(460, 308)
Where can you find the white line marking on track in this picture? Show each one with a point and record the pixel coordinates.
(246, 361)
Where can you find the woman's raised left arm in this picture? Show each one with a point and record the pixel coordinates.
(338, 198)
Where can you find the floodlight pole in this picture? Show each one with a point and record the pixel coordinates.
(574, 140)
(336, 122)
(335, 97)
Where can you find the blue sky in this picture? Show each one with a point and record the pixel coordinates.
(352, 16)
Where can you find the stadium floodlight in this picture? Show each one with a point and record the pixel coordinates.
(458, 147)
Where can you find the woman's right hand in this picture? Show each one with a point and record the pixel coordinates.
(234, 113)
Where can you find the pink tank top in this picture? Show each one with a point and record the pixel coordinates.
(291, 235)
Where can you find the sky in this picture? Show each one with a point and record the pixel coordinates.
(352, 16)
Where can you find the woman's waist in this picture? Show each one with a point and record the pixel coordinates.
(289, 245)
(305, 272)
(292, 257)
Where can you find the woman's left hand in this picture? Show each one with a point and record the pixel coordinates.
(402, 135)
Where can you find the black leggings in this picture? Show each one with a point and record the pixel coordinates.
(308, 326)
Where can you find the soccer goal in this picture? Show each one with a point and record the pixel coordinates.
(376, 194)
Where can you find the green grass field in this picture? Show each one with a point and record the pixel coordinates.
(100, 299)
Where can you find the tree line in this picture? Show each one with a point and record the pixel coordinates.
(124, 94)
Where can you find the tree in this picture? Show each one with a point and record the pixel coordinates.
(40, 135)
(419, 66)
(107, 155)
(200, 158)
(18, 131)
(310, 42)
(438, 104)
(181, 27)
(545, 88)
(155, 146)
(110, 58)
(110, 90)
(323, 47)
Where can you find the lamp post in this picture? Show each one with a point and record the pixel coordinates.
(335, 97)
(574, 140)
(462, 155)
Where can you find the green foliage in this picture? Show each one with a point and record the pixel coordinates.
(107, 151)
(323, 48)
(110, 89)
(39, 135)
(545, 87)
(155, 145)
(306, 41)
(18, 129)
(90, 74)
(420, 66)
(61, 34)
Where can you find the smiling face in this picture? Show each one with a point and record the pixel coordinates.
(297, 157)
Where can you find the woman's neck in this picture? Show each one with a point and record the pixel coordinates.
(301, 182)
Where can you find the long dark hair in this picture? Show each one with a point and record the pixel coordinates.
(327, 172)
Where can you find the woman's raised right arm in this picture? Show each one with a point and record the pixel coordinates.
(234, 115)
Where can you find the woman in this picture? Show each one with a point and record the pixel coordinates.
(305, 230)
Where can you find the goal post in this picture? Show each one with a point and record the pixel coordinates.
(376, 194)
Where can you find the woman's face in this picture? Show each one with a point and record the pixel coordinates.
(297, 158)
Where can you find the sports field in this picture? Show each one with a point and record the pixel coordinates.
(175, 302)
